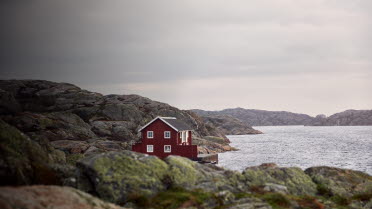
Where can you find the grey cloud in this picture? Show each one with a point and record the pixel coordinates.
(118, 42)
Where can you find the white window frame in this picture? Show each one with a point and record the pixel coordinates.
(150, 150)
(170, 148)
(165, 135)
(148, 134)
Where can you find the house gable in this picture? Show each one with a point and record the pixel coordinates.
(162, 119)
(172, 122)
(158, 129)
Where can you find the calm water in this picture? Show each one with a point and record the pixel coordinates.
(339, 146)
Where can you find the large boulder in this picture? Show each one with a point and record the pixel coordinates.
(49, 197)
(341, 182)
(192, 175)
(116, 176)
(295, 179)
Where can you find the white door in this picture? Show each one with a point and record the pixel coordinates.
(183, 134)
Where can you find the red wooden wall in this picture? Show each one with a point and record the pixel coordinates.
(158, 127)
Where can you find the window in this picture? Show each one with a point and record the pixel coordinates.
(167, 134)
(150, 134)
(167, 148)
(150, 148)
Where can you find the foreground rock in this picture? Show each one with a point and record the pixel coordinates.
(273, 178)
(53, 197)
(135, 179)
(117, 176)
(341, 182)
(23, 161)
(114, 176)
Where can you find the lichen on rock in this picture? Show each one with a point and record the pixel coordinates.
(296, 181)
(117, 175)
(183, 172)
(342, 182)
(22, 160)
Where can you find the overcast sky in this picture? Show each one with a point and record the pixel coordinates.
(297, 55)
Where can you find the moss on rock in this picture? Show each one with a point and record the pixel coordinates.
(182, 171)
(116, 175)
(297, 182)
(341, 182)
(73, 158)
(22, 161)
(192, 175)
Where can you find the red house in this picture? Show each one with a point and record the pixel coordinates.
(165, 136)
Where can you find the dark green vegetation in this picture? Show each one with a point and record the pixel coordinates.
(58, 134)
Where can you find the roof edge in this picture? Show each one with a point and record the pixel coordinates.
(162, 119)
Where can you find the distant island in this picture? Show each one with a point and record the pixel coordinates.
(283, 118)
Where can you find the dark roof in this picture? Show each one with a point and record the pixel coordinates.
(178, 124)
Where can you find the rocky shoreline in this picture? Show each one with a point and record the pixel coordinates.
(63, 147)
(133, 180)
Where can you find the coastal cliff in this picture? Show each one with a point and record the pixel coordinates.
(84, 122)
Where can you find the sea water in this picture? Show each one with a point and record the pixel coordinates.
(302, 146)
